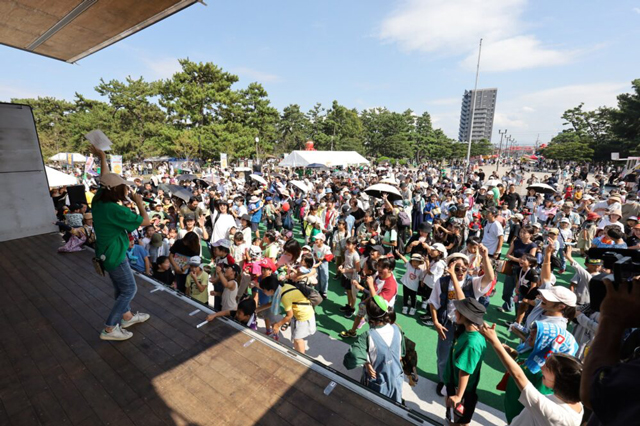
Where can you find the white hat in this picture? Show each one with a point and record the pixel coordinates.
(441, 248)
(455, 256)
(312, 219)
(320, 236)
(518, 216)
(254, 199)
(565, 220)
(111, 180)
(195, 261)
(559, 294)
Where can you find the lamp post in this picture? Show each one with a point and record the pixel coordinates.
(473, 111)
(257, 159)
(502, 133)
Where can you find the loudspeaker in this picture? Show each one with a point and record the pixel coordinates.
(76, 194)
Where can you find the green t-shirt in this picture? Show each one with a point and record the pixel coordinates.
(111, 222)
(466, 354)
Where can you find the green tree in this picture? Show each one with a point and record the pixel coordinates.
(259, 115)
(569, 146)
(199, 95)
(52, 123)
(624, 122)
(136, 117)
(293, 129)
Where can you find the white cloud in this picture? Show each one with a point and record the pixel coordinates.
(162, 67)
(541, 112)
(450, 27)
(637, 10)
(519, 52)
(446, 101)
(256, 75)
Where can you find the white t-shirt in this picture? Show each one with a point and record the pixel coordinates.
(478, 292)
(543, 410)
(222, 226)
(492, 231)
(411, 279)
(436, 269)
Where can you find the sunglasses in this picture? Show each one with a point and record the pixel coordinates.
(461, 269)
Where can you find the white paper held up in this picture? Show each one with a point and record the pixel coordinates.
(99, 140)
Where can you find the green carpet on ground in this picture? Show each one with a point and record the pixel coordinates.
(331, 321)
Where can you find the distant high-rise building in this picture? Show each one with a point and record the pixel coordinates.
(485, 109)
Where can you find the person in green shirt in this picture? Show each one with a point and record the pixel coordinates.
(462, 372)
(112, 222)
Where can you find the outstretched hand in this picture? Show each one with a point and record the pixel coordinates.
(489, 333)
(96, 152)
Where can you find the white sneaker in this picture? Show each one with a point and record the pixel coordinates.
(412, 311)
(138, 317)
(424, 305)
(116, 334)
(404, 310)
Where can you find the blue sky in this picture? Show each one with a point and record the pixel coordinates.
(543, 56)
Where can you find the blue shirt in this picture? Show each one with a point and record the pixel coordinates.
(350, 222)
(136, 257)
(257, 216)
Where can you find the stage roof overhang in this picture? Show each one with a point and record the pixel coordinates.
(70, 30)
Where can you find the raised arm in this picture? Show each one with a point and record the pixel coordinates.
(509, 363)
(487, 267)
(104, 165)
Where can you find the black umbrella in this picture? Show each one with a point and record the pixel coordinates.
(542, 188)
(180, 192)
(187, 176)
(378, 190)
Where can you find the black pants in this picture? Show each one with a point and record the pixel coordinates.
(469, 402)
(410, 297)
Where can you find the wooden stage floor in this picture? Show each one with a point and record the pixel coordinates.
(54, 369)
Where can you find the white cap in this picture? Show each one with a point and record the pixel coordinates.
(559, 294)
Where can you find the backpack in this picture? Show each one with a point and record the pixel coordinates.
(307, 291)
(404, 218)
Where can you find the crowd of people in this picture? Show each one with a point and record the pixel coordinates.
(434, 235)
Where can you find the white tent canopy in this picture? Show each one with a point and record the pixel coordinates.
(57, 179)
(75, 157)
(328, 158)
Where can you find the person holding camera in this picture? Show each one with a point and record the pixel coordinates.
(610, 386)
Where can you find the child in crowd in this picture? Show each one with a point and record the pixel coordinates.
(320, 253)
(197, 280)
(239, 248)
(271, 248)
(526, 286)
(244, 313)
(462, 371)
(163, 273)
(263, 300)
(411, 279)
(227, 277)
(245, 226)
(338, 245)
(349, 271)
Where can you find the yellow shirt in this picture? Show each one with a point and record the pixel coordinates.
(89, 196)
(290, 302)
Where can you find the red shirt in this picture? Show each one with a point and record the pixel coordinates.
(389, 287)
